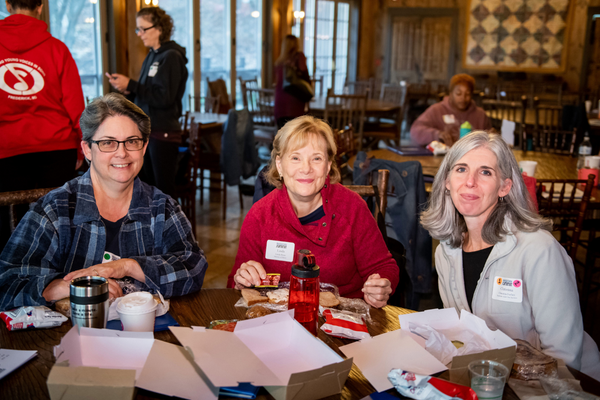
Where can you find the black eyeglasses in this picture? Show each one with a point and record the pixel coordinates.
(138, 30)
(110, 146)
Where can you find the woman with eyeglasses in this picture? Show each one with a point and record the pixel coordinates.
(106, 222)
(158, 92)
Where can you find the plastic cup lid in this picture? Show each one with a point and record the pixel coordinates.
(137, 303)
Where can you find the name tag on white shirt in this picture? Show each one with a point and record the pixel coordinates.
(449, 119)
(153, 69)
(508, 289)
(280, 251)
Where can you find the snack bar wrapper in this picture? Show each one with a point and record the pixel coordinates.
(437, 148)
(32, 317)
(422, 387)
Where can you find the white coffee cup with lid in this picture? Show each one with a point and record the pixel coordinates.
(137, 312)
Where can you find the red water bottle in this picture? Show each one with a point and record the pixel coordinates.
(304, 290)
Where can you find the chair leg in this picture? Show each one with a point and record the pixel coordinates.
(590, 261)
(241, 198)
(224, 199)
(201, 186)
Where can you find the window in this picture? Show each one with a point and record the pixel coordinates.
(327, 40)
(215, 39)
(248, 43)
(77, 24)
(3, 12)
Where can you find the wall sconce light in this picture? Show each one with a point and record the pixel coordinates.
(298, 17)
(255, 14)
(154, 2)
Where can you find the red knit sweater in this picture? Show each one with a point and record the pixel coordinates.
(347, 243)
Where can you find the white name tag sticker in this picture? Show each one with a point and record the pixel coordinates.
(280, 251)
(508, 289)
(153, 69)
(449, 119)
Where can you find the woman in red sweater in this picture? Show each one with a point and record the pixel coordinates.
(311, 210)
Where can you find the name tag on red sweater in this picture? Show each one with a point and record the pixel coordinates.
(508, 289)
(280, 251)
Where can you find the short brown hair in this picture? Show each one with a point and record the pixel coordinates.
(295, 135)
(30, 5)
(462, 79)
(158, 17)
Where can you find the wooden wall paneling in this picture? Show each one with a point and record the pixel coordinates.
(136, 49)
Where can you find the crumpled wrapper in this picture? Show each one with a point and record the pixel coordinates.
(437, 148)
(442, 348)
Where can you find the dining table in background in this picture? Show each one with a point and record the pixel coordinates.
(211, 128)
(197, 309)
(374, 107)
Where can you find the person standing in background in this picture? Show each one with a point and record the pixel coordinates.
(158, 93)
(41, 100)
(288, 107)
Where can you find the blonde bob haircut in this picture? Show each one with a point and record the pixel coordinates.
(296, 134)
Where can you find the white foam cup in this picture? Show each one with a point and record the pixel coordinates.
(137, 312)
(592, 162)
(528, 166)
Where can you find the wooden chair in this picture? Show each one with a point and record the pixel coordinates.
(184, 121)
(247, 84)
(346, 149)
(561, 205)
(218, 88)
(12, 199)
(387, 128)
(499, 110)
(383, 177)
(313, 83)
(345, 111)
(547, 134)
(211, 104)
(185, 191)
(359, 88)
(261, 105)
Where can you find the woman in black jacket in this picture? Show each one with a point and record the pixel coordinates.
(158, 93)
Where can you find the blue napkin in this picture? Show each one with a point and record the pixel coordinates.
(242, 391)
(161, 323)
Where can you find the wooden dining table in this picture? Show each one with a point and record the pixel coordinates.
(197, 309)
(374, 107)
(550, 165)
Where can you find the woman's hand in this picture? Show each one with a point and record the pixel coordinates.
(56, 290)
(118, 81)
(377, 291)
(249, 274)
(115, 270)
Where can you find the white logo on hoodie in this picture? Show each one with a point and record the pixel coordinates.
(20, 79)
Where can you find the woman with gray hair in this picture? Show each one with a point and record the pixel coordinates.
(497, 258)
(106, 222)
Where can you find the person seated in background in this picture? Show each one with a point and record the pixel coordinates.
(482, 213)
(442, 120)
(106, 223)
(310, 209)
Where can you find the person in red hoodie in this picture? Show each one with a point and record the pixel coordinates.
(310, 209)
(41, 100)
(442, 120)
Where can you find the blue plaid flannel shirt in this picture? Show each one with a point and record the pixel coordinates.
(63, 232)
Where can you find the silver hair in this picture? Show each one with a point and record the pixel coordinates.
(444, 222)
(110, 105)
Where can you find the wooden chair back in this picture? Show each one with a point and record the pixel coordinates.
(561, 203)
(211, 104)
(346, 111)
(218, 88)
(313, 83)
(346, 148)
(186, 190)
(547, 133)
(183, 121)
(247, 84)
(383, 176)
(261, 104)
(393, 94)
(499, 110)
(359, 88)
(12, 199)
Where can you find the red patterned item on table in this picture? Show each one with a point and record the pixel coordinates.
(423, 387)
(345, 324)
(32, 317)
(271, 281)
(223, 325)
